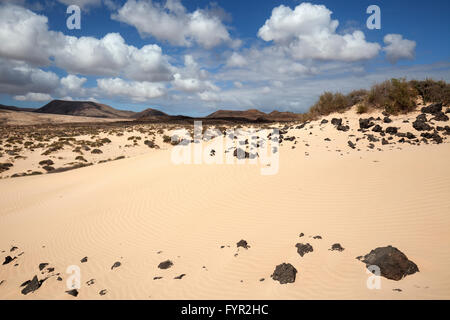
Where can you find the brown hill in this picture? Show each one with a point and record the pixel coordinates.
(84, 108)
(254, 114)
(251, 114)
(283, 116)
(12, 108)
(150, 113)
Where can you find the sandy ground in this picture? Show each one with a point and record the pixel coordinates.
(144, 209)
(8, 117)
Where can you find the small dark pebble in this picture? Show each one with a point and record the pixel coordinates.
(180, 276)
(73, 292)
(102, 292)
(165, 264)
(42, 266)
(85, 259)
(243, 244)
(8, 259)
(336, 247)
(116, 265)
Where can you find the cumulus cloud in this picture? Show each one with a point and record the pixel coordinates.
(137, 91)
(192, 78)
(72, 82)
(20, 78)
(171, 22)
(25, 36)
(308, 32)
(111, 56)
(398, 48)
(209, 96)
(33, 96)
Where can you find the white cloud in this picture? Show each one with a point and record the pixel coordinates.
(398, 48)
(111, 56)
(25, 36)
(171, 22)
(72, 82)
(34, 96)
(236, 60)
(84, 4)
(192, 84)
(208, 96)
(137, 91)
(308, 32)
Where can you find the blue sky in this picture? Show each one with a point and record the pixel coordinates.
(193, 57)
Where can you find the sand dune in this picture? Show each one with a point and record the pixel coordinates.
(143, 210)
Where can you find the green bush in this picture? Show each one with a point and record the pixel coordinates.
(395, 96)
(361, 108)
(330, 102)
(432, 91)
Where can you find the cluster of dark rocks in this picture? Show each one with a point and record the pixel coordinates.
(337, 122)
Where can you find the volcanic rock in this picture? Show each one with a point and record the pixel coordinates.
(284, 273)
(392, 262)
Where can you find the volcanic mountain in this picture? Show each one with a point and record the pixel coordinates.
(84, 108)
(254, 114)
(150, 113)
(12, 108)
(251, 114)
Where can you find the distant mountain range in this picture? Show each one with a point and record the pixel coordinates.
(98, 110)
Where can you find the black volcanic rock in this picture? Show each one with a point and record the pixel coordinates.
(42, 266)
(303, 249)
(336, 247)
(434, 136)
(391, 130)
(73, 292)
(284, 273)
(336, 121)
(365, 123)
(116, 265)
(377, 128)
(8, 259)
(351, 144)
(165, 264)
(387, 120)
(432, 108)
(243, 244)
(421, 126)
(343, 128)
(392, 262)
(32, 285)
(440, 116)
